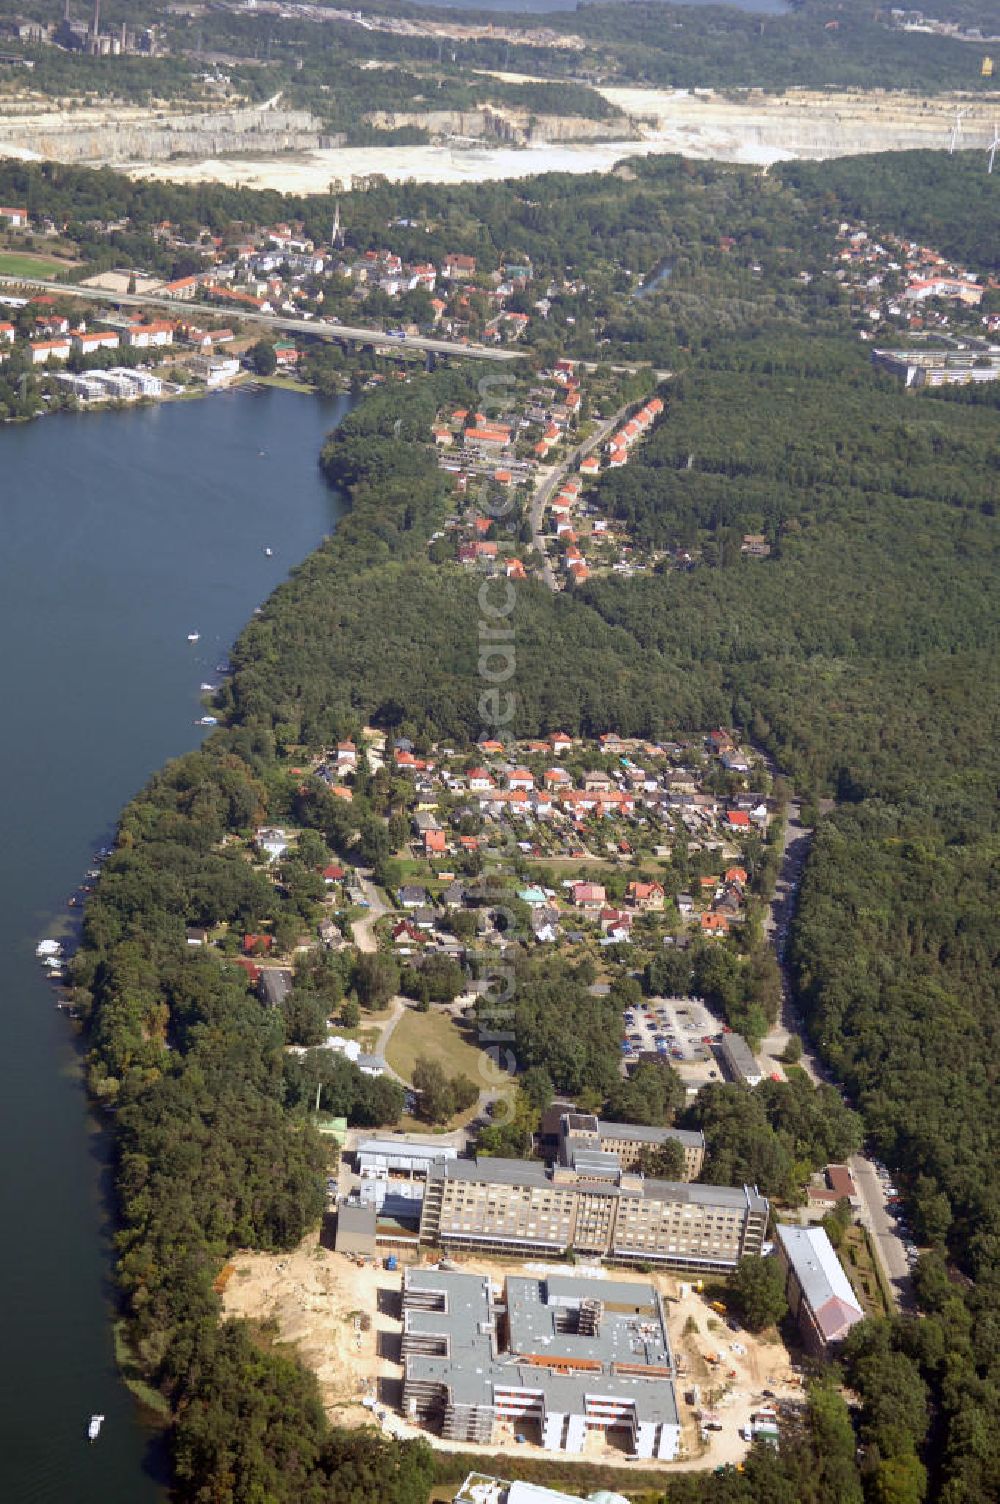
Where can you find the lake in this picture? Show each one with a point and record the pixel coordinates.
(120, 533)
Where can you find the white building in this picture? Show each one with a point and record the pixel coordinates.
(85, 385)
(410, 1155)
(43, 350)
(95, 339)
(215, 370)
(819, 1293)
(146, 336)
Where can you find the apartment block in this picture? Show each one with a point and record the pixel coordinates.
(564, 1356)
(519, 1207)
(582, 1134)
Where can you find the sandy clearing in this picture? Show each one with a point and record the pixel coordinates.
(314, 1296)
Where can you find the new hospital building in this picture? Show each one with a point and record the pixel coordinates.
(559, 1356)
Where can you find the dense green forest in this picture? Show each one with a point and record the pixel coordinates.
(683, 46)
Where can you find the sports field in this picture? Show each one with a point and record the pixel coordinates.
(22, 264)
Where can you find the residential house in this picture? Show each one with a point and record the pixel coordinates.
(85, 343)
(43, 350)
(646, 896)
(588, 895)
(411, 896)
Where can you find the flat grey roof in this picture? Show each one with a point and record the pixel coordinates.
(690, 1138)
(474, 1368)
(525, 1172)
(356, 1219)
(631, 1328)
(735, 1047)
(590, 1161)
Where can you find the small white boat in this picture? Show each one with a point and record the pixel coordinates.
(46, 948)
(193, 636)
(208, 689)
(208, 720)
(269, 553)
(94, 1427)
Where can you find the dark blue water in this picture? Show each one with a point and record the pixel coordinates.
(119, 534)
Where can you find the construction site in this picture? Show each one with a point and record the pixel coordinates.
(481, 1354)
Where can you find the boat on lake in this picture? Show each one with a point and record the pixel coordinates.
(194, 636)
(94, 1427)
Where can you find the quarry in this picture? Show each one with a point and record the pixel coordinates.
(270, 146)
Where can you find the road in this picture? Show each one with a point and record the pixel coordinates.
(881, 1224)
(873, 1214)
(795, 850)
(363, 930)
(315, 328)
(552, 482)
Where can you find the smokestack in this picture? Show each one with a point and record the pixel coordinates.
(97, 19)
(66, 12)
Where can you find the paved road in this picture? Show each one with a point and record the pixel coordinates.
(779, 916)
(877, 1218)
(364, 929)
(551, 484)
(881, 1224)
(316, 328)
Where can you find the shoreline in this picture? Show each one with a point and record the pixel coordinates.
(244, 383)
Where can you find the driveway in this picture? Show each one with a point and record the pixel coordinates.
(363, 930)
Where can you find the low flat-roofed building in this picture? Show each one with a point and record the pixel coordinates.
(411, 1155)
(566, 1354)
(519, 1206)
(480, 1488)
(819, 1293)
(356, 1230)
(739, 1060)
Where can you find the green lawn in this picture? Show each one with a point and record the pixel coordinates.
(436, 1035)
(859, 1262)
(22, 264)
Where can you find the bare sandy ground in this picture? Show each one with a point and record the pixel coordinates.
(749, 127)
(753, 128)
(317, 1297)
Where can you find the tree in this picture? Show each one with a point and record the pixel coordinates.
(792, 1053)
(759, 1287)
(262, 358)
(900, 1480)
(376, 977)
(663, 1161)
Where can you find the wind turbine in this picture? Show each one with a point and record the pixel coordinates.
(994, 145)
(956, 130)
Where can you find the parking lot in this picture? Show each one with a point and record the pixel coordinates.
(675, 1027)
(894, 1213)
